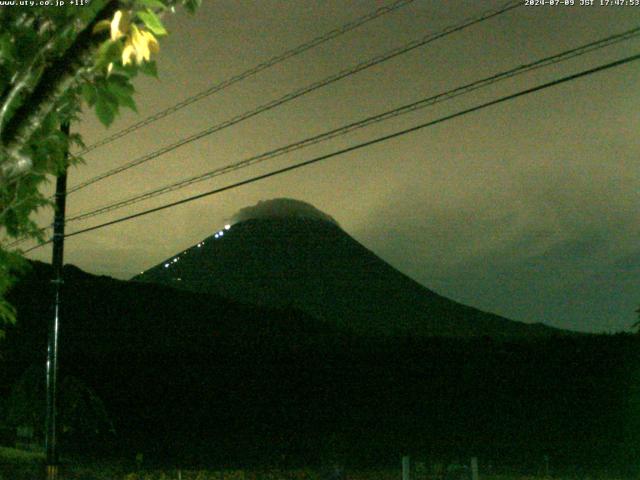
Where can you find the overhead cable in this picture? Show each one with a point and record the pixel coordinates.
(302, 91)
(347, 27)
(343, 151)
(411, 107)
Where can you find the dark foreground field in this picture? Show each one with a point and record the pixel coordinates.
(198, 382)
(22, 465)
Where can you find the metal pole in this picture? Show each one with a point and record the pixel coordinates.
(52, 347)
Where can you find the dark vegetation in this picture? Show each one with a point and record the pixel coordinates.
(193, 379)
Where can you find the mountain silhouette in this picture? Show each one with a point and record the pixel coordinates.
(194, 378)
(284, 253)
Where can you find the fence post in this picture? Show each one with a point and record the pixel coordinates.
(406, 468)
(474, 468)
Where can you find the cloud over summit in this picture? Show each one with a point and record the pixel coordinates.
(281, 208)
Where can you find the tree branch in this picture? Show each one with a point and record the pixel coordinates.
(28, 78)
(53, 84)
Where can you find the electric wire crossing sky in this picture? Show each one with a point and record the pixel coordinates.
(550, 66)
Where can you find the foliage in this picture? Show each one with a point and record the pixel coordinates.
(14, 455)
(82, 414)
(52, 62)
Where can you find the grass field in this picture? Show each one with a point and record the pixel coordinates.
(25, 465)
(34, 472)
(13, 455)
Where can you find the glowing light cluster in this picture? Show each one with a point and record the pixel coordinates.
(199, 245)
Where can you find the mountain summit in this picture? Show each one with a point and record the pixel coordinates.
(281, 208)
(287, 253)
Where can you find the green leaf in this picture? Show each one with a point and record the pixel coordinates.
(152, 22)
(102, 86)
(122, 89)
(89, 93)
(107, 101)
(192, 5)
(28, 42)
(152, 4)
(129, 71)
(7, 50)
(105, 111)
(76, 139)
(7, 312)
(121, 81)
(149, 68)
(110, 51)
(5, 78)
(129, 102)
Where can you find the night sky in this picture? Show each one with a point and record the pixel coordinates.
(528, 209)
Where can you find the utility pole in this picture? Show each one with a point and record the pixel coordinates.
(51, 441)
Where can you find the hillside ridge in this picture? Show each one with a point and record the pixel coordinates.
(318, 268)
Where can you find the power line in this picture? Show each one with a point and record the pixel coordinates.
(355, 147)
(249, 73)
(303, 91)
(347, 27)
(554, 59)
(423, 103)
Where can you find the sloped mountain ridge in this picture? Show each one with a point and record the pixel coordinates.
(314, 266)
(192, 377)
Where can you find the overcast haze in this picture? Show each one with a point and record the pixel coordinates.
(528, 209)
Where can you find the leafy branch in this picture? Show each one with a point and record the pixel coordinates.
(86, 56)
